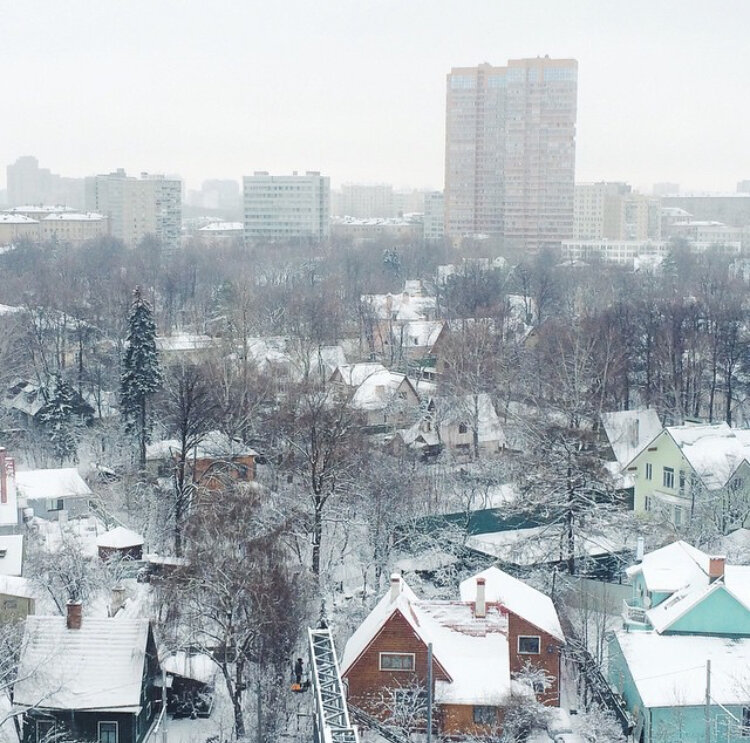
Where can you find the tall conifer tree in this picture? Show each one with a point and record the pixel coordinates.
(141, 376)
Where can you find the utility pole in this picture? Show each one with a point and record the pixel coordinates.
(708, 701)
(429, 692)
(163, 705)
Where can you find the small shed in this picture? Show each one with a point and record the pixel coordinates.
(120, 542)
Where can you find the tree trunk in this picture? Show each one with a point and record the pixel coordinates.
(317, 535)
(142, 434)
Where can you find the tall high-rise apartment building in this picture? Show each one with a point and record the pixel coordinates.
(510, 151)
(286, 207)
(136, 207)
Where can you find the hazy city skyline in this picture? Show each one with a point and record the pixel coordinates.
(357, 91)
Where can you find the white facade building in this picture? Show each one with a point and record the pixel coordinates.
(623, 252)
(286, 207)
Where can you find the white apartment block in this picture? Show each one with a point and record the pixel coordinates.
(364, 201)
(622, 252)
(136, 207)
(286, 207)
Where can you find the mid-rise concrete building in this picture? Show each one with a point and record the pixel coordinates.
(30, 184)
(510, 151)
(364, 201)
(286, 207)
(15, 227)
(611, 211)
(622, 252)
(73, 227)
(732, 209)
(136, 207)
(434, 216)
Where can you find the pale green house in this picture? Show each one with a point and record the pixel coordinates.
(694, 470)
(685, 641)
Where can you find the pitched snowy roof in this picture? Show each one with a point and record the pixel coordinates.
(213, 445)
(63, 482)
(672, 567)
(516, 596)
(682, 571)
(184, 342)
(354, 374)
(11, 554)
(119, 538)
(377, 390)
(14, 585)
(99, 666)
(670, 670)
(196, 666)
(629, 431)
(418, 333)
(713, 451)
(462, 409)
(473, 652)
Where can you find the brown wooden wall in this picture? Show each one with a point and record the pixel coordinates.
(549, 661)
(369, 686)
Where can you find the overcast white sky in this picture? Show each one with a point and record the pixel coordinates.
(356, 88)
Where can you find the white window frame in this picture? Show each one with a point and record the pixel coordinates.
(400, 655)
(107, 722)
(667, 477)
(530, 637)
(678, 510)
(55, 504)
(649, 471)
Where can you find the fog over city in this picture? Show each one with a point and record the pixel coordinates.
(357, 90)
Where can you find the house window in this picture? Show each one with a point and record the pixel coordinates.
(746, 722)
(528, 644)
(55, 504)
(682, 482)
(462, 428)
(397, 661)
(677, 516)
(484, 715)
(408, 701)
(649, 471)
(667, 479)
(45, 730)
(107, 732)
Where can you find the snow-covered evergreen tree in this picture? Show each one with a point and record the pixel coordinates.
(141, 376)
(58, 419)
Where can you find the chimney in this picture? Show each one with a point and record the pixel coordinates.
(117, 599)
(480, 608)
(715, 568)
(639, 550)
(75, 616)
(395, 586)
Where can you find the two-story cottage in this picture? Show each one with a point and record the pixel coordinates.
(90, 678)
(691, 468)
(682, 659)
(478, 643)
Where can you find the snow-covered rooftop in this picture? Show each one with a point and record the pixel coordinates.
(213, 445)
(63, 482)
(377, 390)
(670, 670)
(16, 219)
(99, 666)
(196, 666)
(119, 538)
(418, 333)
(516, 596)
(11, 554)
(184, 342)
(14, 585)
(472, 651)
(628, 431)
(713, 451)
(74, 217)
(353, 375)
